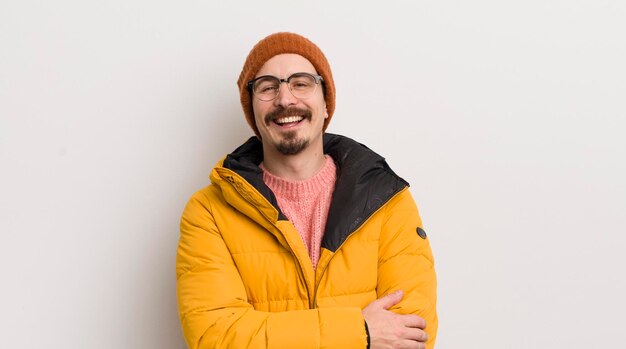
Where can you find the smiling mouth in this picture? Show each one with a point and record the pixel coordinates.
(287, 117)
(288, 120)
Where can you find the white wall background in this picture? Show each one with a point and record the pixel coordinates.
(506, 117)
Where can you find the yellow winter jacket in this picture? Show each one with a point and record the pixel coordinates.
(244, 277)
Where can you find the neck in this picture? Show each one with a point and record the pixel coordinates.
(294, 167)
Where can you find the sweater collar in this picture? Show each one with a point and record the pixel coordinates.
(364, 183)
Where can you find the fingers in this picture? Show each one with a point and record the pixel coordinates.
(416, 334)
(391, 299)
(386, 327)
(408, 344)
(414, 321)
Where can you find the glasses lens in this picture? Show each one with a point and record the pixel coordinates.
(302, 85)
(266, 88)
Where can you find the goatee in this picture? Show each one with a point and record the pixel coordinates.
(290, 144)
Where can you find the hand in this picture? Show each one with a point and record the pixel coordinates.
(391, 330)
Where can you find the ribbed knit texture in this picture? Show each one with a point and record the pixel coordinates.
(306, 203)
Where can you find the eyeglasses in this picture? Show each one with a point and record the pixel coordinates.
(301, 86)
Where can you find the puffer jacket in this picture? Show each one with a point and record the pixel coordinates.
(244, 277)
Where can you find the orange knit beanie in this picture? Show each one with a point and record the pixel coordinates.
(276, 44)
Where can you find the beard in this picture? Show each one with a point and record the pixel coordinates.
(290, 144)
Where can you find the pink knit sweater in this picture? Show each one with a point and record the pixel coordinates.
(306, 203)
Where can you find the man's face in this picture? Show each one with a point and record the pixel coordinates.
(289, 124)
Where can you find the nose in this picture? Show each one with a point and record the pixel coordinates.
(285, 98)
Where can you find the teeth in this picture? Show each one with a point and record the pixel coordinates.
(288, 119)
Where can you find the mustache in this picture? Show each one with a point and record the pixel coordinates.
(281, 111)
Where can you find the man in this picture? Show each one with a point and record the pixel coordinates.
(303, 239)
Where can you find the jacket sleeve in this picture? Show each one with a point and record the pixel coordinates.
(213, 305)
(406, 263)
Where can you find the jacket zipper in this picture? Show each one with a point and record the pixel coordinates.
(314, 306)
(298, 266)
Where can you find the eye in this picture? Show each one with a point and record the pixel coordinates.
(266, 86)
(266, 89)
(301, 82)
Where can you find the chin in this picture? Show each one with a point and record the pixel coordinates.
(292, 146)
